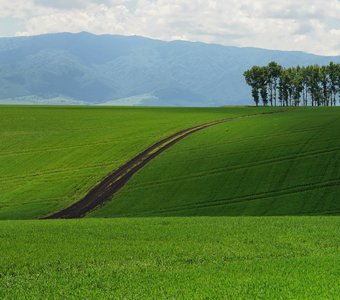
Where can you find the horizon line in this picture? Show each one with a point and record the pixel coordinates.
(165, 41)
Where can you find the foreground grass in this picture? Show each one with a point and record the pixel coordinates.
(51, 156)
(180, 258)
(276, 164)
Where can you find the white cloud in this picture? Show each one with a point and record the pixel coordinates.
(310, 25)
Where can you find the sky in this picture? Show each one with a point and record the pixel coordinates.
(304, 25)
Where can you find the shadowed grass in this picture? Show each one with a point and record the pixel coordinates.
(277, 164)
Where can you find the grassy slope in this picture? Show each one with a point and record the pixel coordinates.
(180, 258)
(58, 153)
(51, 156)
(276, 164)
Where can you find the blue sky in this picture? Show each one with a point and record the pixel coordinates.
(305, 25)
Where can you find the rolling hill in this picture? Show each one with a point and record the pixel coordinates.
(84, 68)
(51, 156)
(283, 162)
(275, 164)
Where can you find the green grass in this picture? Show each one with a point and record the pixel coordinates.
(171, 258)
(278, 164)
(51, 156)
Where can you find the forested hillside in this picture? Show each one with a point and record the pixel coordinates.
(119, 70)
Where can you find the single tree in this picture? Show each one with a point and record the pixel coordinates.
(251, 77)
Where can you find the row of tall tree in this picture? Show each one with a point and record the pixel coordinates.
(311, 85)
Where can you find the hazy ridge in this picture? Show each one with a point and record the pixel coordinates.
(119, 70)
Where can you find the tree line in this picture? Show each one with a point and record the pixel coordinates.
(296, 86)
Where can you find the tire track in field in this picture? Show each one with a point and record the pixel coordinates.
(54, 149)
(307, 187)
(111, 184)
(111, 142)
(52, 172)
(248, 165)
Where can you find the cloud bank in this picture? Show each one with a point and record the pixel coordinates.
(306, 25)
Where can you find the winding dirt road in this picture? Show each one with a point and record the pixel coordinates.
(111, 184)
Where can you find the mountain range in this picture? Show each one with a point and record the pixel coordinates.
(84, 68)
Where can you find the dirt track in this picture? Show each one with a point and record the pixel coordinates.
(111, 184)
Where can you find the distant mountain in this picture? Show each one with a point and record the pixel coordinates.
(128, 70)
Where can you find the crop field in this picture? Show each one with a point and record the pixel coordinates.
(277, 164)
(51, 156)
(244, 209)
(171, 258)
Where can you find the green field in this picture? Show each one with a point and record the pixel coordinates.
(171, 258)
(51, 156)
(206, 219)
(278, 164)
